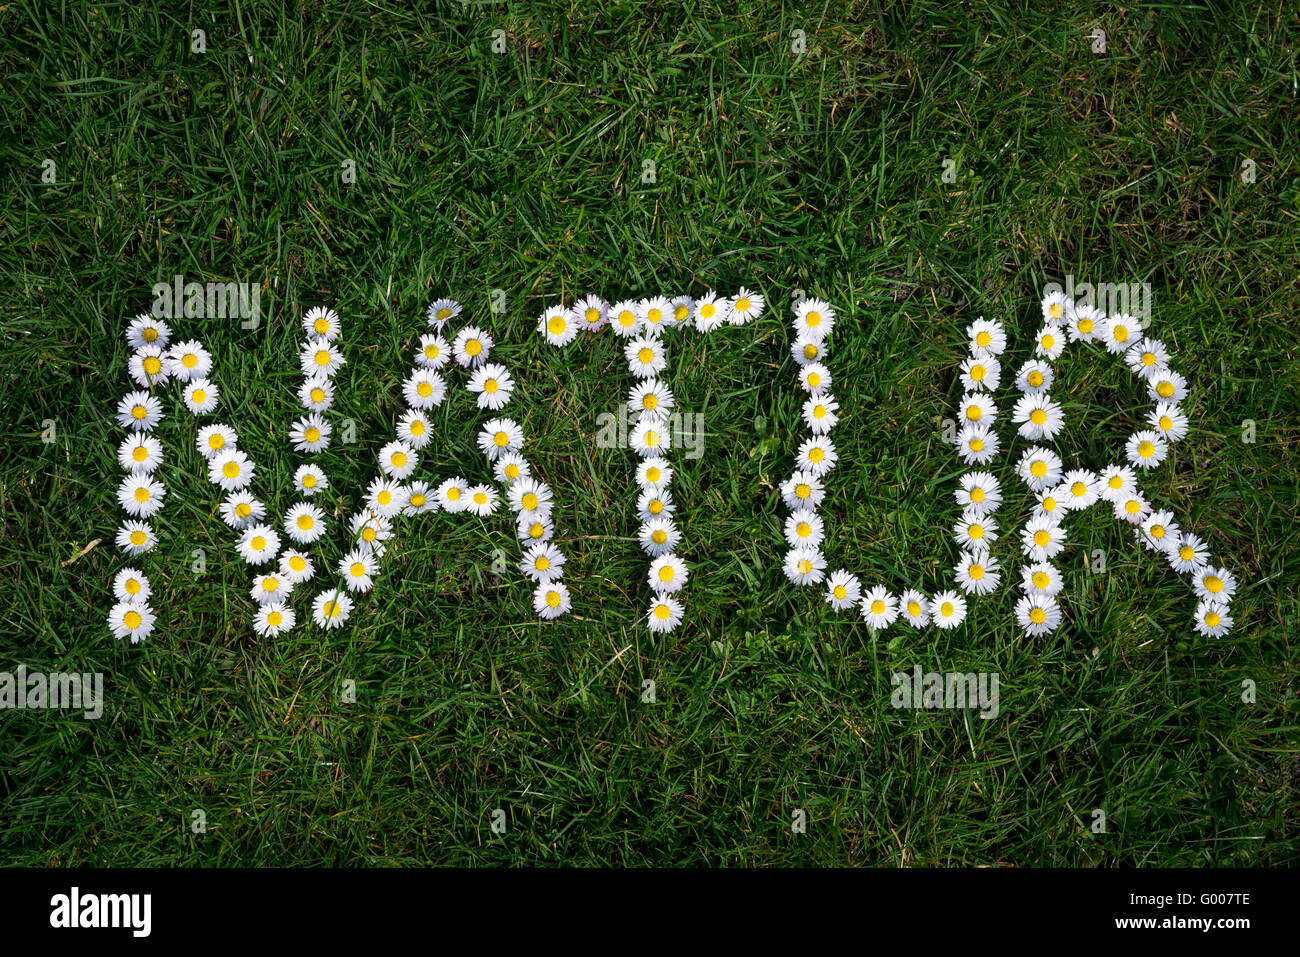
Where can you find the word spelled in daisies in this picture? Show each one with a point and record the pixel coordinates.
(395, 493)
(1057, 491)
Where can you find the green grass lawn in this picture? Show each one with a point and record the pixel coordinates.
(524, 171)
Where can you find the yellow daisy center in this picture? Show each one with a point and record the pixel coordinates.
(814, 379)
(243, 510)
(1213, 583)
(306, 522)
(841, 592)
(978, 373)
(1186, 553)
(810, 351)
(138, 538)
(1078, 489)
(1038, 469)
(553, 599)
(652, 438)
(983, 339)
(802, 491)
(230, 470)
(444, 314)
(977, 495)
(356, 569)
(658, 536)
(913, 609)
(318, 394)
(877, 607)
(592, 315)
(1115, 482)
(149, 335)
(1034, 378)
(309, 481)
(321, 325)
(138, 412)
(189, 360)
(645, 355)
(557, 325)
(139, 453)
(1056, 310)
(270, 584)
(1042, 538)
(626, 318)
(501, 439)
(536, 530)
(1132, 506)
(298, 563)
(1148, 358)
(1049, 504)
(132, 586)
(216, 441)
(649, 401)
(805, 566)
(976, 571)
(322, 357)
(152, 365)
(258, 543)
(199, 397)
(803, 529)
(663, 612)
(1121, 333)
(512, 471)
(473, 347)
(975, 531)
(1146, 450)
(1165, 390)
(977, 445)
(418, 500)
(417, 427)
(707, 310)
(480, 498)
(368, 534)
(312, 434)
(1157, 531)
(424, 389)
(453, 493)
(813, 319)
(142, 495)
(431, 351)
(274, 619)
(1212, 619)
(542, 563)
(1048, 342)
(816, 454)
(654, 315)
(946, 609)
(1086, 326)
(1038, 416)
(384, 497)
(1041, 580)
(666, 573)
(1166, 423)
(652, 474)
(656, 507)
(132, 619)
(973, 412)
(399, 459)
(1037, 616)
(529, 501)
(490, 386)
(333, 609)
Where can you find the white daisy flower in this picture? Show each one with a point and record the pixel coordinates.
(817, 455)
(1042, 578)
(1116, 482)
(535, 528)
(141, 495)
(655, 503)
(843, 590)
(296, 566)
(316, 394)
(1034, 377)
(358, 568)
(1084, 323)
(148, 367)
(623, 319)
(1039, 468)
(212, 440)
(975, 532)
(551, 599)
(914, 608)
(806, 349)
(802, 490)
(979, 493)
(499, 436)
(493, 384)
(1078, 489)
(441, 311)
(1049, 505)
(472, 346)
(1159, 532)
(311, 433)
(1119, 332)
(542, 561)
(1038, 614)
(145, 330)
(385, 497)
(1039, 417)
(1213, 619)
(321, 321)
(981, 371)
(310, 480)
(590, 313)
(1049, 343)
(1214, 584)
(1042, 539)
(1188, 553)
(668, 573)
(130, 619)
(1166, 385)
(1055, 308)
(804, 566)
(200, 396)
(654, 472)
(815, 378)
(650, 395)
(746, 306)
(879, 608)
(135, 537)
(274, 619)
(130, 584)
(978, 574)
(710, 312)
(805, 529)
(415, 429)
(370, 532)
(420, 498)
(665, 614)
(814, 318)
(819, 413)
(976, 408)
(231, 470)
(651, 436)
(987, 334)
(258, 544)
(189, 360)
(1169, 421)
(331, 609)
(1147, 357)
(658, 536)
(140, 452)
(304, 523)
(241, 510)
(527, 496)
(558, 325)
(511, 467)
(947, 609)
(482, 500)
(1132, 508)
(654, 314)
(683, 312)
(320, 357)
(270, 588)
(977, 444)
(453, 495)
(645, 356)
(433, 352)
(398, 460)
(139, 411)
(1146, 449)
(424, 389)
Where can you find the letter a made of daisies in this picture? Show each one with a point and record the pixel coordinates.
(279, 552)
